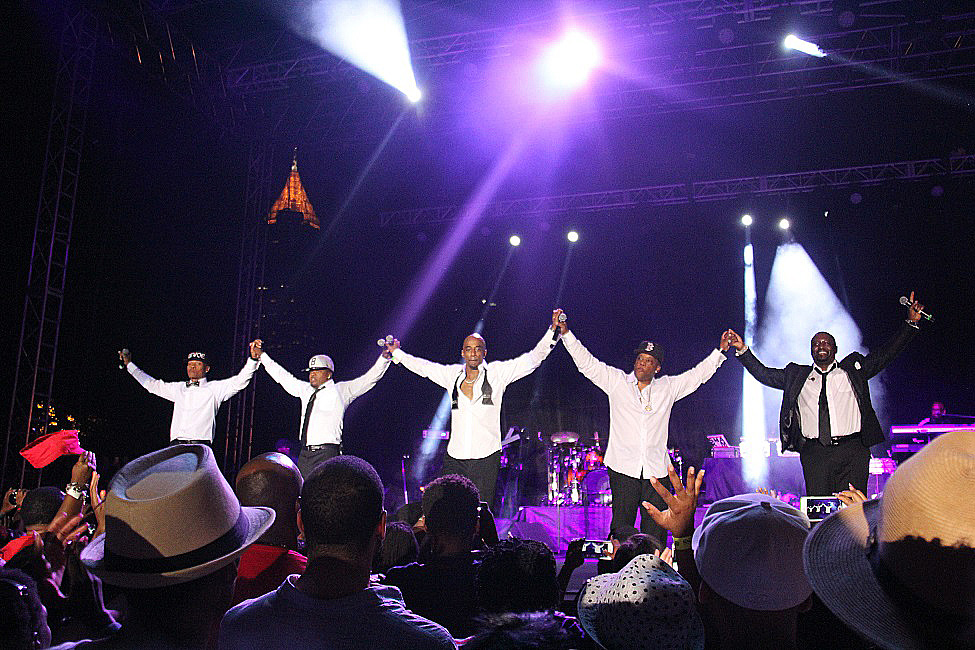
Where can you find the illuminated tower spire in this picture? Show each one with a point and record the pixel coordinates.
(293, 198)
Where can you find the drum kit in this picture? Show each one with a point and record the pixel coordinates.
(576, 474)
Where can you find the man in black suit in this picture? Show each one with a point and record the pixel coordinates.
(826, 413)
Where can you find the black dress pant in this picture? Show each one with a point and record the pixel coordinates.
(628, 493)
(309, 460)
(830, 468)
(483, 472)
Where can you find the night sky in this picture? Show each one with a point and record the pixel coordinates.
(156, 243)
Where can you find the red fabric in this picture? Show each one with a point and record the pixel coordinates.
(16, 545)
(263, 568)
(45, 450)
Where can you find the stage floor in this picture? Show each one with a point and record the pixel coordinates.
(557, 526)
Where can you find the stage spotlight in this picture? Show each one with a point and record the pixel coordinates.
(572, 236)
(369, 34)
(566, 64)
(746, 220)
(514, 240)
(793, 42)
(784, 224)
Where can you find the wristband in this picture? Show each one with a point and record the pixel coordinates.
(682, 543)
(76, 490)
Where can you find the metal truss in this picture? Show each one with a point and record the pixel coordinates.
(703, 191)
(697, 73)
(250, 279)
(41, 323)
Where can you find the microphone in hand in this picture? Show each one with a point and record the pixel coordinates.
(907, 303)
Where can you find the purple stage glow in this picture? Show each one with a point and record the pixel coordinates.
(567, 64)
(439, 263)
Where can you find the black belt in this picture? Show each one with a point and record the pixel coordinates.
(321, 446)
(180, 441)
(838, 440)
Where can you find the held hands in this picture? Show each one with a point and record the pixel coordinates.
(563, 326)
(731, 339)
(678, 518)
(388, 352)
(256, 349)
(914, 309)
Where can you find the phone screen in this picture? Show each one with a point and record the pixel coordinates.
(596, 547)
(818, 508)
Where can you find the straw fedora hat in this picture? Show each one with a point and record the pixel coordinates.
(900, 570)
(171, 517)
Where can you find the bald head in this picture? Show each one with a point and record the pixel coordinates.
(474, 350)
(272, 480)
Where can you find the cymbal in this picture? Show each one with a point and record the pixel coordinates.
(565, 438)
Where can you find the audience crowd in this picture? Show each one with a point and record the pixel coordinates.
(172, 556)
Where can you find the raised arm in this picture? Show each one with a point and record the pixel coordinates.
(165, 389)
(442, 375)
(690, 380)
(771, 377)
(599, 373)
(227, 388)
(355, 387)
(291, 384)
(514, 369)
(878, 359)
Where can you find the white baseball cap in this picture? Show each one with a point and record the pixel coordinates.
(320, 362)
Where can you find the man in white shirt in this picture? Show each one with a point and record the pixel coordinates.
(196, 400)
(323, 402)
(477, 389)
(826, 413)
(640, 404)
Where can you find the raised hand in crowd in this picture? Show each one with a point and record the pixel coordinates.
(666, 555)
(97, 500)
(678, 518)
(851, 496)
(12, 500)
(83, 468)
(734, 340)
(124, 356)
(256, 348)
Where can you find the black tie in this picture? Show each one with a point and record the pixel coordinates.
(824, 433)
(304, 424)
(192, 383)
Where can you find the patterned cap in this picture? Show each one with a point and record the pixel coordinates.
(646, 605)
(198, 356)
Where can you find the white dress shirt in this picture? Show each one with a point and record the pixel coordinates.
(475, 427)
(325, 425)
(844, 411)
(195, 407)
(639, 421)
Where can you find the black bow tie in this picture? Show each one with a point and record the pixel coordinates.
(192, 383)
